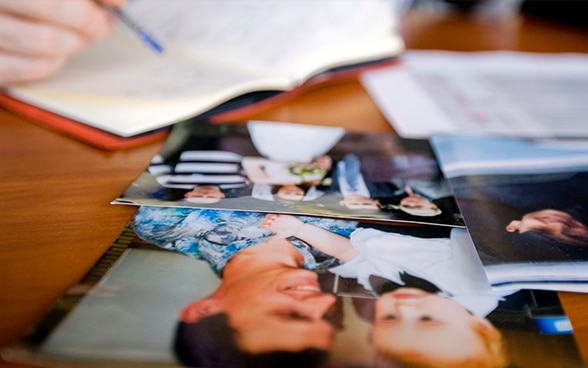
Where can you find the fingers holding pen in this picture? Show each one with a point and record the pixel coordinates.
(37, 36)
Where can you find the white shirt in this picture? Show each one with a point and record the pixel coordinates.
(452, 264)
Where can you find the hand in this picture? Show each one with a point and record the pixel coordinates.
(283, 226)
(38, 36)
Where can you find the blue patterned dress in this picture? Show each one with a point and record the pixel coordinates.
(216, 235)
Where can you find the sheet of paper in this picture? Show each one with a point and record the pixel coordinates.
(516, 94)
(211, 46)
(266, 34)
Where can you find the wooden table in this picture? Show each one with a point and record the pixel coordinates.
(56, 219)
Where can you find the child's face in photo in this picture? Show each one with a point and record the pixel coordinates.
(290, 193)
(204, 194)
(358, 202)
(417, 202)
(413, 322)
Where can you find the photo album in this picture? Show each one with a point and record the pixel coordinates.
(271, 244)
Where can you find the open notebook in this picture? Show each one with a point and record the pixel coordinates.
(215, 51)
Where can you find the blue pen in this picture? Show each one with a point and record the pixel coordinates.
(143, 35)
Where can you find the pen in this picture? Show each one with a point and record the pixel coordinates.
(132, 25)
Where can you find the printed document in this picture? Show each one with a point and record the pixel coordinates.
(509, 93)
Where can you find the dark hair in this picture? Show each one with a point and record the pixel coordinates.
(174, 194)
(275, 188)
(178, 194)
(212, 343)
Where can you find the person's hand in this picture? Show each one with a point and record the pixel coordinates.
(283, 226)
(37, 36)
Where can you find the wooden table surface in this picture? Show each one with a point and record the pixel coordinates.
(56, 219)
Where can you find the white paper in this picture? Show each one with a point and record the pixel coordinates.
(510, 93)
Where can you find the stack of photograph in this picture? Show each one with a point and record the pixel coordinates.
(271, 244)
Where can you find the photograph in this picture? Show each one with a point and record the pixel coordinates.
(297, 169)
(264, 307)
(524, 206)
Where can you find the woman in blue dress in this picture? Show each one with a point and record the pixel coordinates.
(216, 235)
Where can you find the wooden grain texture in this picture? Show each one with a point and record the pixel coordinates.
(56, 219)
